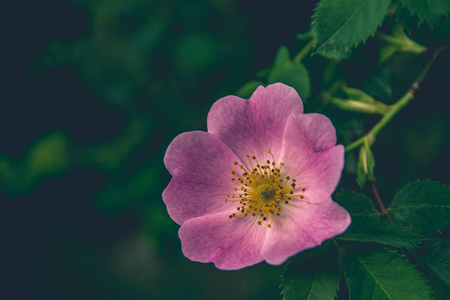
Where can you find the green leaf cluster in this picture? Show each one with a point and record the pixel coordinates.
(340, 25)
(54, 154)
(379, 257)
(383, 274)
(388, 253)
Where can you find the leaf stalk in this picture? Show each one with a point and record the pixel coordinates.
(308, 47)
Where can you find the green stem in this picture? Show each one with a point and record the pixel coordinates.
(370, 136)
(395, 108)
(359, 142)
(382, 123)
(391, 113)
(362, 107)
(308, 47)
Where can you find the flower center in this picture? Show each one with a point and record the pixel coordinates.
(264, 192)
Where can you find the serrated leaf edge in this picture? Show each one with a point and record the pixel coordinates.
(395, 253)
(405, 5)
(336, 49)
(425, 260)
(283, 275)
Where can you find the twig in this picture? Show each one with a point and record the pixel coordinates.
(415, 85)
(395, 108)
(380, 203)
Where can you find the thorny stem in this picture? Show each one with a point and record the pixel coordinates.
(415, 85)
(395, 108)
(380, 203)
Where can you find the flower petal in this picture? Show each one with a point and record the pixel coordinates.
(297, 152)
(271, 108)
(201, 165)
(318, 173)
(305, 226)
(230, 120)
(230, 243)
(253, 127)
(187, 199)
(320, 179)
(319, 131)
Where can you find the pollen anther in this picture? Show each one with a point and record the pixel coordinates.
(264, 193)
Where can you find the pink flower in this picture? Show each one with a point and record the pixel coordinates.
(257, 186)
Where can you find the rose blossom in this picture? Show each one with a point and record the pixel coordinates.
(257, 186)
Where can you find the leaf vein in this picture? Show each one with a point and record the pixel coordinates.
(344, 22)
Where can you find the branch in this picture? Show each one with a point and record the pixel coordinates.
(395, 108)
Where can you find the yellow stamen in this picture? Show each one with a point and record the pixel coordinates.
(264, 192)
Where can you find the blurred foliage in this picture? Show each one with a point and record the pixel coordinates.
(96, 90)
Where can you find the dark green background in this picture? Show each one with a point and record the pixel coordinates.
(93, 93)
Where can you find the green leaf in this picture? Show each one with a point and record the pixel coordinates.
(438, 258)
(49, 155)
(366, 164)
(337, 54)
(282, 56)
(370, 161)
(423, 205)
(247, 89)
(375, 230)
(409, 22)
(293, 74)
(355, 203)
(264, 73)
(387, 52)
(430, 11)
(443, 30)
(313, 274)
(361, 174)
(383, 274)
(339, 25)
